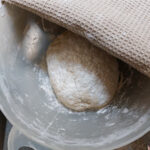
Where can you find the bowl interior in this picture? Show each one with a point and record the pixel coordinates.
(27, 99)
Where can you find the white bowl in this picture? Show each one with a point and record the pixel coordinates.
(29, 103)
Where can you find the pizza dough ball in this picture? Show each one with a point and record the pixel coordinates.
(35, 42)
(83, 77)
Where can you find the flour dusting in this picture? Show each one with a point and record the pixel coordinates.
(44, 84)
(125, 110)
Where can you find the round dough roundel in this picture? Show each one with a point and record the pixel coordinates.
(83, 77)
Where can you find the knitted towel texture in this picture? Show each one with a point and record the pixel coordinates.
(120, 27)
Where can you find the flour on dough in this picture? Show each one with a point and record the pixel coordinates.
(83, 77)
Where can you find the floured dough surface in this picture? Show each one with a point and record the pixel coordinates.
(83, 77)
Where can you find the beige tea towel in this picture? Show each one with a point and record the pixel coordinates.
(121, 27)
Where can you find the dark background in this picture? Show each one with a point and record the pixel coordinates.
(2, 129)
